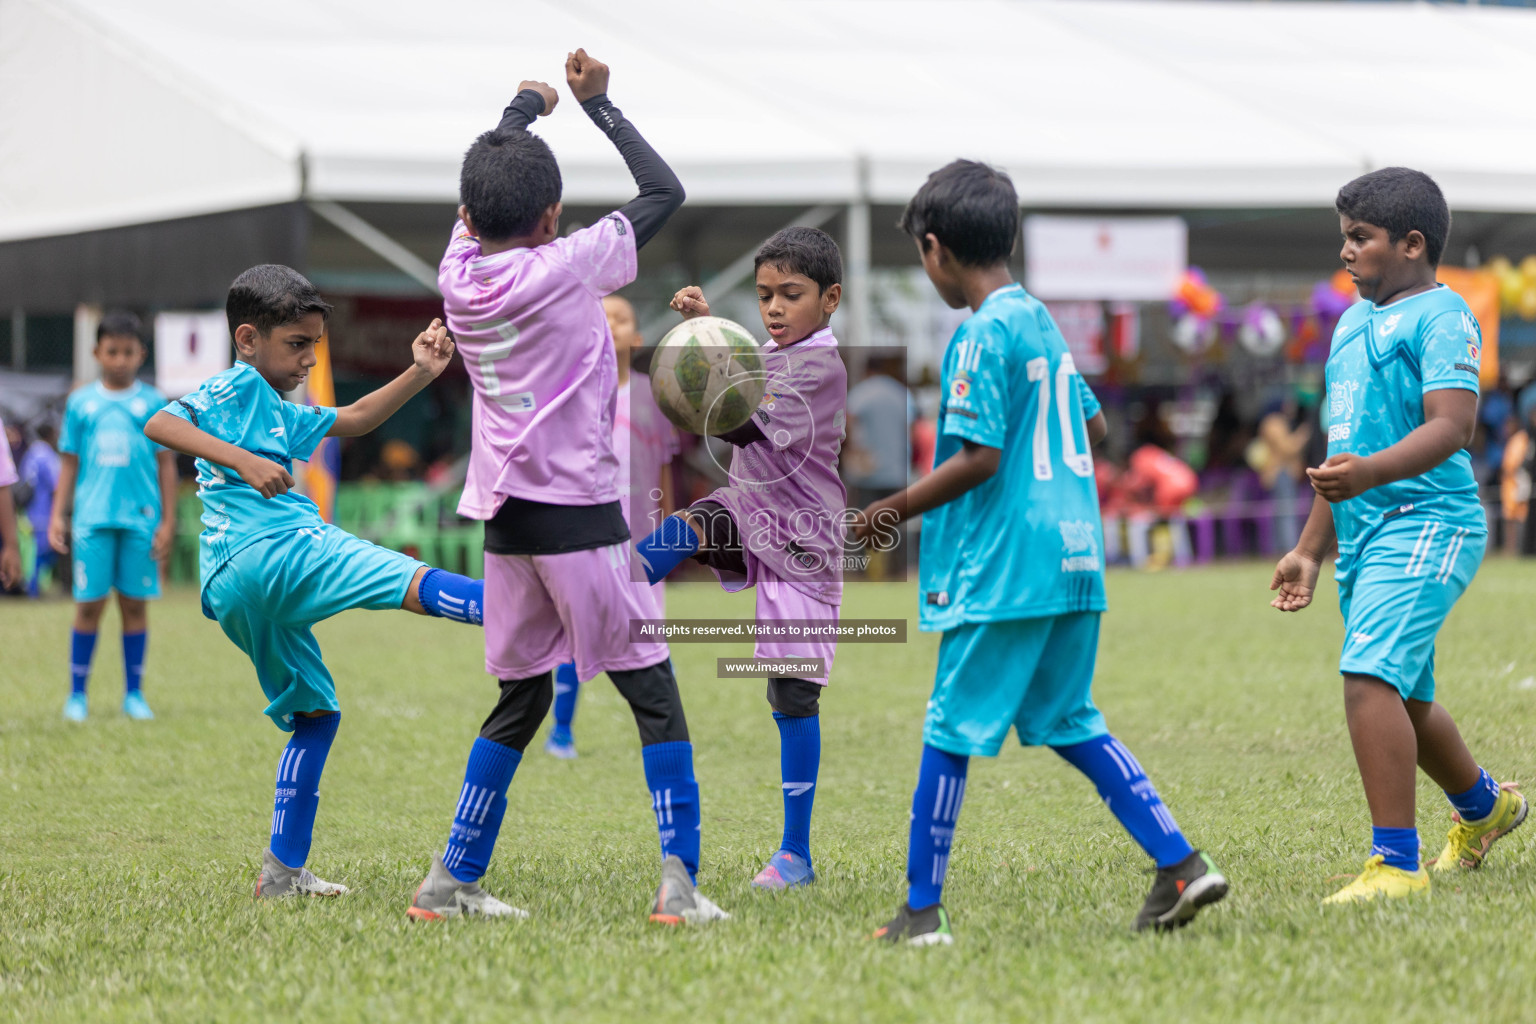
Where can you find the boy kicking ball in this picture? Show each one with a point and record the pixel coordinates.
(777, 525)
(271, 567)
(1010, 567)
(1397, 499)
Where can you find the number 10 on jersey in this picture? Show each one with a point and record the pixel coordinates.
(1068, 410)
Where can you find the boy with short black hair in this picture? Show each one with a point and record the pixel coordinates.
(114, 508)
(270, 566)
(1397, 500)
(525, 304)
(777, 525)
(1010, 566)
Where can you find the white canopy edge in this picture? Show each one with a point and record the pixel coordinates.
(193, 106)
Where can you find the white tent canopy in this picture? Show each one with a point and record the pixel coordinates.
(116, 113)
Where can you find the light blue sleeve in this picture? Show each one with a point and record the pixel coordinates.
(1090, 401)
(305, 427)
(976, 391)
(69, 436)
(1450, 352)
(220, 406)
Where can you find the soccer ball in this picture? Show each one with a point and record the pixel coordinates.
(707, 375)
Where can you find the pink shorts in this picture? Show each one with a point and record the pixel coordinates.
(544, 610)
(778, 600)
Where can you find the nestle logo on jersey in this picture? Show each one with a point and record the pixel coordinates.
(1338, 432)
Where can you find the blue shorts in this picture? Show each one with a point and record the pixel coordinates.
(269, 594)
(1034, 675)
(109, 558)
(1395, 592)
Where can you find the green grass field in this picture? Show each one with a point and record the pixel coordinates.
(128, 851)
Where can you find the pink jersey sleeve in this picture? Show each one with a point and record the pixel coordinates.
(602, 256)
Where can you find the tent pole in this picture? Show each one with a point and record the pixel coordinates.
(735, 272)
(377, 242)
(857, 243)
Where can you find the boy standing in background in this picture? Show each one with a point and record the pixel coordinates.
(114, 508)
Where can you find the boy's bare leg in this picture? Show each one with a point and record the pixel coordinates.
(412, 602)
(135, 611)
(1442, 753)
(88, 615)
(1386, 749)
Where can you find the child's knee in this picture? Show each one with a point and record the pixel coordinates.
(654, 701)
(88, 614)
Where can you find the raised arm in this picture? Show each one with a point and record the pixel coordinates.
(533, 99)
(661, 194)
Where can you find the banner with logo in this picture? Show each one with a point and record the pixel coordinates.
(1131, 259)
(190, 348)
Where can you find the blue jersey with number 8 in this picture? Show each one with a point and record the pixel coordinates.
(1028, 542)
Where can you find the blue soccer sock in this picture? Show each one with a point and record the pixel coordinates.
(1476, 803)
(799, 761)
(482, 802)
(133, 660)
(1398, 846)
(1130, 796)
(81, 647)
(675, 799)
(567, 688)
(451, 596)
(298, 786)
(667, 547)
(935, 809)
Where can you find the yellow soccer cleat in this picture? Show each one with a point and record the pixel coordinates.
(1468, 841)
(1379, 879)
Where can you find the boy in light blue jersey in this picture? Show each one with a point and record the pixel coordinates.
(114, 508)
(1010, 567)
(270, 566)
(1397, 498)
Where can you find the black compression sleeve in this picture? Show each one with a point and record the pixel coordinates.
(747, 433)
(525, 106)
(661, 194)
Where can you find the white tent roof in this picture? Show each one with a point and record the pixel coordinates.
(115, 113)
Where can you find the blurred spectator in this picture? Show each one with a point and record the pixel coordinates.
(877, 457)
(10, 543)
(1147, 501)
(1519, 463)
(1278, 456)
(1228, 437)
(39, 476)
(398, 462)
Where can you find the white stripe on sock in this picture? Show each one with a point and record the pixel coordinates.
(668, 802)
(293, 769)
(1130, 758)
(479, 803)
(488, 803)
(1125, 769)
(468, 801)
(938, 803)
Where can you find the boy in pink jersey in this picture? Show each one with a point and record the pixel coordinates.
(526, 307)
(778, 524)
(644, 442)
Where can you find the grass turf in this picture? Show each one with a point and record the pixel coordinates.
(128, 850)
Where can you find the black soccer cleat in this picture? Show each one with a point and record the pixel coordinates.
(1180, 891)
(926, 927)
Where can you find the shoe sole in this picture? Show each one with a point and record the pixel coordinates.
(932, 939)
(1202, 892)
(423, 914)
(670, 920)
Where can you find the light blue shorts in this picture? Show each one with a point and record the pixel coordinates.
(269, 594)
(1395, 592)
(1034, 675)
(108, 558)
